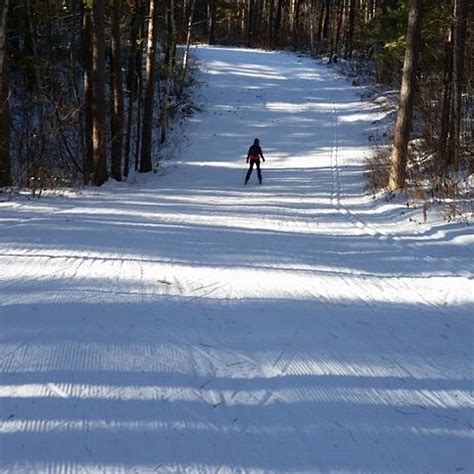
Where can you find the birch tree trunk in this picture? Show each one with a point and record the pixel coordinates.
(188, 42)
(407, 92)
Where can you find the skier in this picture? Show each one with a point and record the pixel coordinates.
(253, 156)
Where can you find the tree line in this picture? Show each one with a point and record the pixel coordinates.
(448, 143)
(88, 85)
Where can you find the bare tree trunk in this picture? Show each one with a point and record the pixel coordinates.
(169, 71)
(117, 117)
(41, 161)
(459, 40)
(446, 102)
(5, 159)
(98, 103)
(276, 26)
(295, 22)
(242, 14)
(86, 45)
(259, 35)
(134, 64)
(339, 26)
(188, 42)
(140, 86)
(407, 92)
(327, 33)
(292, 21)
(312, 19)
(250, 15)
(29, 49)
(211, 21)
(173, 41)
(350, 33)
(3, 34)
(145, 159)
(139, 134)
(270, 25)
(320, 32)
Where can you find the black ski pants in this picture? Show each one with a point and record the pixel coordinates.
(249, 172)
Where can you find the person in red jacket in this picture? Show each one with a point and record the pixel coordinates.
(253, 157)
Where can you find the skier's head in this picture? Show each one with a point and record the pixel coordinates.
(256, 142)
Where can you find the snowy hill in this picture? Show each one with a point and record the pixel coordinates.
(194, 324)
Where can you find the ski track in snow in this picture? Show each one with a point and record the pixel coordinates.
(191, 324)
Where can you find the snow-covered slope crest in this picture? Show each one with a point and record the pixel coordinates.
(194, 324)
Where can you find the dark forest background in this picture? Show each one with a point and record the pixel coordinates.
(89, 88)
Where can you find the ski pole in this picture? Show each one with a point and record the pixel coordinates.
(244, 173)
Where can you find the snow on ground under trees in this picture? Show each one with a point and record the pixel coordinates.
(191, 324)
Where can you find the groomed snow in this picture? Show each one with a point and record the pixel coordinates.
(191, 324)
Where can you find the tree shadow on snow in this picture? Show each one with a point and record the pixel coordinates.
(87, 386)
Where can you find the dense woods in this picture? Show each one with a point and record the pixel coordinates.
(90, 87)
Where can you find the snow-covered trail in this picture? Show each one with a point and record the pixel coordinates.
(192, 324)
